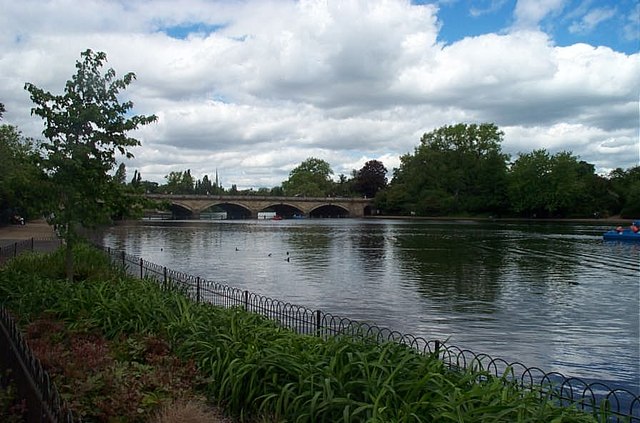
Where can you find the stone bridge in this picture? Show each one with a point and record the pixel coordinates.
(248, 206)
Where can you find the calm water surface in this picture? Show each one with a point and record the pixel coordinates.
(554, 296)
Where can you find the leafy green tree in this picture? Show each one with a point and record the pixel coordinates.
(343, 187)
(179, 183)
(528, 186)
(370, 179)
(149, 187)
(558, 185)
(137, 178)
(85, 128)
(120, 176)
(455, 169)
(625, 186)
(21, 181)
(312, 178)
(204, 186)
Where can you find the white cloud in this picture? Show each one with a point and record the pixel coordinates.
(492, 7)
(529, 13)
(345, 81)
(591, 19)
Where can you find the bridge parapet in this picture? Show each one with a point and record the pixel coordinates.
(355, 207)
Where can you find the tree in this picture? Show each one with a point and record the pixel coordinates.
(204, 186)
(312, 178)
(625, 185)
(371, 178)
(455, 169)
(343, 187)
(558, 185)
(137, 178)
(179, 183)
(85, 128)
(20, 178)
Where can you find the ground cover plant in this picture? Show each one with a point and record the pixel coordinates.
(244, 362)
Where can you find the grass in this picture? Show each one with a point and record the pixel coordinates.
(241, 361)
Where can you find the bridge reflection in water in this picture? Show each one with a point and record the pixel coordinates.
(250, 206)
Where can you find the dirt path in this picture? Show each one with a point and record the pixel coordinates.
(15, 238)
(37, 229)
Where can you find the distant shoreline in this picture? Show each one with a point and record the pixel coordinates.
(614, 220)
(605, 220)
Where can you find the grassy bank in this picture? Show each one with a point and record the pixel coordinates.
(242, 362)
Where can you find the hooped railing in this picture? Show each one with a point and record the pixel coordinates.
(42, 400)
(599, 399)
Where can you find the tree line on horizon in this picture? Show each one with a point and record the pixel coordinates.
(455, 170)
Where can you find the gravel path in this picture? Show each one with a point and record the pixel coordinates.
(16, 238)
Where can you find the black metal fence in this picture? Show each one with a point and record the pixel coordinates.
(612, 404)
(43, 403)
(15, 248)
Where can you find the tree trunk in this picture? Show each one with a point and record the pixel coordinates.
(69, 260)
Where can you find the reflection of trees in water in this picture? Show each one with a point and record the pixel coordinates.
(370, 242)
(309, 242)
(457, 268)
(542, 264)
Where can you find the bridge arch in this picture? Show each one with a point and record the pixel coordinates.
(234, 209)
(329, 210)
(181, 211)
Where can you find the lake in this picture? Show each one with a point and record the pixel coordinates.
(551, 295)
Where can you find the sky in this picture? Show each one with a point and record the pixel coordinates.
(250, 89)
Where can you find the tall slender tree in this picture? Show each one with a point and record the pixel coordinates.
(85, 128)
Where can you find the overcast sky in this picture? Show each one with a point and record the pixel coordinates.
(253, 88)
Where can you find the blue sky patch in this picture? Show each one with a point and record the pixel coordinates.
(182, 31)
(612, 23)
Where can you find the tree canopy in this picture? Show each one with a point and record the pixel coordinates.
(20, 181)
(455, 169)
(370, 179)
(312, 178)
(85, 128)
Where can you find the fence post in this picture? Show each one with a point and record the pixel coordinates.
(164, 275)
(246, 300)
(124, 266)
(32, 244)
(198, 289)
(15, 249)
(141, 268)
(318, 324)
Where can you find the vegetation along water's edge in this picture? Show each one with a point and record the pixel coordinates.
(128, 332)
